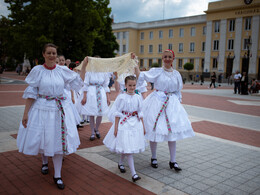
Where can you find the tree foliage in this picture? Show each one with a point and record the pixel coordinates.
(188, 66)
(78, 28)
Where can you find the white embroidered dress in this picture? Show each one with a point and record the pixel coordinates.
(179, 126)
(93, 81)
(130, 136)
(43, 132)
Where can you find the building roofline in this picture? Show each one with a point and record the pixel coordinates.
(161, 23)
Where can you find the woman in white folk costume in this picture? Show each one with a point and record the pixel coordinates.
(165, 119)
(126, 136)
(69, 94)
(47, 126)
(96, 99)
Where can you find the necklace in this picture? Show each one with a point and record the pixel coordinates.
(168, 69)
(130, 93)
(49, 68)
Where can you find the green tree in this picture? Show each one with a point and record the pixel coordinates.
(189, 66)
(78, 28)
(155, 65)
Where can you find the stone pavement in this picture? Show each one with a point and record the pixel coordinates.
(223, 157)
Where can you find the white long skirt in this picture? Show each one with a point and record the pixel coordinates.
(43, 132)
(178, 118)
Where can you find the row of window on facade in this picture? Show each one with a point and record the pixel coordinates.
(192, 30)
(180, 63)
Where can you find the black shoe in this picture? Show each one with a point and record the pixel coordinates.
(154, 163)
(175, 166)
(97, 134)
(135, 178)
(121, 168)
(80, 126)
(59, 183)
(45, 171)
(92, 137)
(87, 121)
(82, 122)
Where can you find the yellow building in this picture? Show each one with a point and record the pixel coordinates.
(224, 40)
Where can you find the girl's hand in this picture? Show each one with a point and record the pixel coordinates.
(115, 132)
(25, 120)
(73, 100)
(108, 101)
(144, 131)
(83, 101)
(132, 55)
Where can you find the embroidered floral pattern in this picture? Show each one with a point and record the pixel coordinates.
(163, 109)
(60, 107)
(128, 115)
(98, 93)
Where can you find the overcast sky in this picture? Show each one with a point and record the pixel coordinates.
(147, 10)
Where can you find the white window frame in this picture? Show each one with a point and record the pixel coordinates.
(181, 32)
(230, 45)
(160, 34)
(215, 45)
(170, 33)
(180, 64)
(248, 23)
(170, 46)
(141, 48)
(150, 48)
(232, 24)
(216, 26)
(142, 36)
(203, 46)
(151, 35)
(192, 31)
(192, 47)
(124, 48)
(214, 63)
(180, 50)
(124, 35)
(204, 30)
(160, 48)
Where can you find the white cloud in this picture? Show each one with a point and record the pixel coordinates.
(3, 8)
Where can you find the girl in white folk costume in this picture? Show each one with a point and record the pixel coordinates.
(126, 136)
(69, 94)
(47, 126)
(95, 99)
(165, 119)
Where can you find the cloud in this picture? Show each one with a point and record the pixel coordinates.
(3, 8)
(149, 10)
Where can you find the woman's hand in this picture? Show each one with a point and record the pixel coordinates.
(115, 132)
(25, 120)
(73, 100)
(85, 61)
(84, 100)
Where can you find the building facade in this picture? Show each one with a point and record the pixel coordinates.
(224, 40)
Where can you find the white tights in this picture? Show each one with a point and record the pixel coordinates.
(92, 123)
(130, 160)
(172, 149)
(57, 163)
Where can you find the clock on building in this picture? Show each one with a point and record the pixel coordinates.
(247, 2)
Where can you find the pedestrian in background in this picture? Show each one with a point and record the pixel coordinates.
(237, 78)
(244, 84)
(213, 80)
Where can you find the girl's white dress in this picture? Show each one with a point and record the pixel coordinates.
(130, 136)
(95, 81)
(43, 132)
(166, 84)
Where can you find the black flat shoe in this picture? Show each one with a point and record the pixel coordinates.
(154, 163)
(92, 137)
(175, 166)
(135, 178)
(45, 169)
(97, 134)
(121, 168)
(59, 183)
(80, 126)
